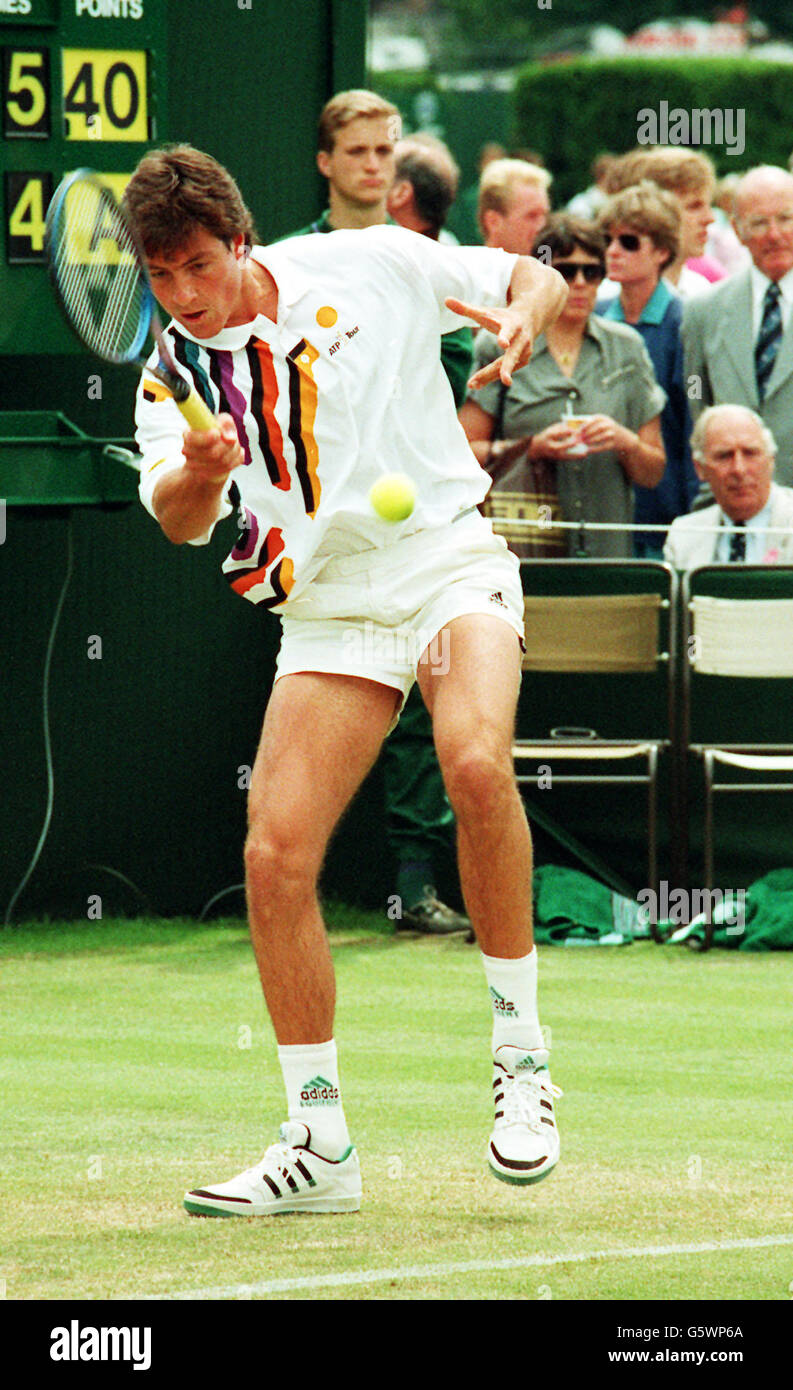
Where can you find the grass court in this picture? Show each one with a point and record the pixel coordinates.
(138, 1061)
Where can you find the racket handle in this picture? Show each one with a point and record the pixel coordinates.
(197, 413)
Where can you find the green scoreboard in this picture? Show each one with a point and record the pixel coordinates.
(96, 83)
(83, 84)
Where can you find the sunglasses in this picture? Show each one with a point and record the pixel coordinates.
(629, 241)
(593, 274)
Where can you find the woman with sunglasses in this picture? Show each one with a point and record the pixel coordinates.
(581, 366)
(642, 225)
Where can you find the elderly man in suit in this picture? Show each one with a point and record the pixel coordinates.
(738, 337)
(734, 452)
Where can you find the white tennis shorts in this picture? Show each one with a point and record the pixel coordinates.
(378, 614)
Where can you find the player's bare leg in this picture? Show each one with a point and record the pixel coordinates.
(321, 736)
(473, 704)
(473, 712)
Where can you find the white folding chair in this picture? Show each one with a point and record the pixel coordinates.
(738, 713)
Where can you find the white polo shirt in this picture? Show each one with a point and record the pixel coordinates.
(345, 386)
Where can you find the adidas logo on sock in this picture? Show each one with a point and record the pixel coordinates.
(318, 1091)
(502, 1005)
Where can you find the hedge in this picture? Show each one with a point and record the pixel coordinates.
(575, 110)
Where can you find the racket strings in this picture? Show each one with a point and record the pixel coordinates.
(98, 274)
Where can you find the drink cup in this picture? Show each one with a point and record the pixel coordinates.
(577, 422)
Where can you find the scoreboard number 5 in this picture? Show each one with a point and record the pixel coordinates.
(26, 85)
(105, 94)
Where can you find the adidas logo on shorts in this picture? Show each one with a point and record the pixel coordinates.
(498, 598)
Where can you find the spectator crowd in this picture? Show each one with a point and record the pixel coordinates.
(680, 297)
(655, 417)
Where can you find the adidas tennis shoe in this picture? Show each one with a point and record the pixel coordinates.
(524, 1145)
(290, 1177)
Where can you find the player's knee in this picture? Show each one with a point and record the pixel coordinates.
(479, 779)
(276, 862)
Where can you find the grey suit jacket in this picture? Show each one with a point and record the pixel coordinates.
(689, 545)
(718, 344)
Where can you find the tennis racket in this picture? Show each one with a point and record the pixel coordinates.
(99, 276)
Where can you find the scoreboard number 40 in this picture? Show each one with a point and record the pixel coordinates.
(105, 94)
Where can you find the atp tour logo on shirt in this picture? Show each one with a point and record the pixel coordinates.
(327, 317)
(318, 1091)
(341, 341)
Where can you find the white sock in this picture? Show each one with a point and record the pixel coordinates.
(513, 995)
(311, 1077)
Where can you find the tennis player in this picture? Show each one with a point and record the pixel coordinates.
(320, 358)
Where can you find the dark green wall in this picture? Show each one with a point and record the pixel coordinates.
(147, 740)
(264, 74)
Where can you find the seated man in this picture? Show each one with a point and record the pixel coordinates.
(734, 453)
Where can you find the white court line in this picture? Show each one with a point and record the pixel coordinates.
(385, 1276)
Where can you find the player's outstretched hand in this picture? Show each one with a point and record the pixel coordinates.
(212, 454)
(513, 334)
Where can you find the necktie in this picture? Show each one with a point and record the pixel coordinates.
(768, 338)
(738, 542)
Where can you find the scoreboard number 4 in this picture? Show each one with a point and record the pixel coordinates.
(105, 94)
(27, 200)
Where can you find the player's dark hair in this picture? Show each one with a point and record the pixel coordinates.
(176, 191)
(562, 235)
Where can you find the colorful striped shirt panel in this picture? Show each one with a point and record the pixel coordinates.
(345, 386)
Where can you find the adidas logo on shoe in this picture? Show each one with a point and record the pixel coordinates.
(524, 1144)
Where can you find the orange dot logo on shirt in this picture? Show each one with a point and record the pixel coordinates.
(326, 316)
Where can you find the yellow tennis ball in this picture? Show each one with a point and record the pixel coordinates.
(393, 497)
